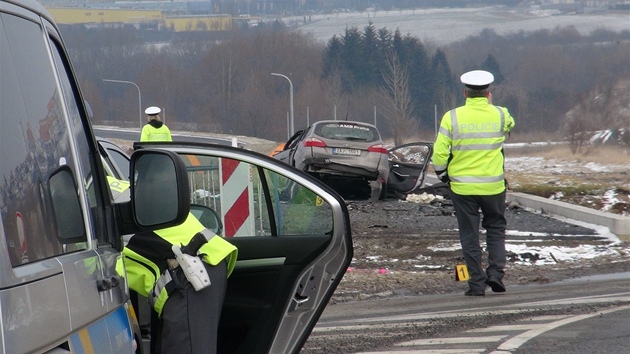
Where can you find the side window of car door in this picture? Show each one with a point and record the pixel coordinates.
(37, 149)
(251, 200)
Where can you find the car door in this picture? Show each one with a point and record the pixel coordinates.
(408, 165)
(287, 155)
(293, 238)
(115, 160)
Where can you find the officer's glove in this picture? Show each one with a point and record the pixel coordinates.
(443, 176)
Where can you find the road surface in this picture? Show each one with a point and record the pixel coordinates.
(587, 315)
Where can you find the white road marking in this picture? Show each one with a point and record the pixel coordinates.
(458, 340)
(509, 328)
(533, 330)
(472, 312)
(432, 351)
(516, 341)
(325, 329)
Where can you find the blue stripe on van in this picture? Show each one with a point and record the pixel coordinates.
(111, 334)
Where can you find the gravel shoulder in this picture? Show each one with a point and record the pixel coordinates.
(406, 249)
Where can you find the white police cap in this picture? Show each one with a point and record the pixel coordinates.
(153, 110)
(477, 79)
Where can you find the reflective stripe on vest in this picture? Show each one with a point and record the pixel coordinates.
(163, 288)
(458, 136)
(477, 179)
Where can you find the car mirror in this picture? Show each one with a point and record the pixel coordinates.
(207, 217)
(159, 189)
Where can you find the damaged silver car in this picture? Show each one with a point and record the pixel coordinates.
(352, 158)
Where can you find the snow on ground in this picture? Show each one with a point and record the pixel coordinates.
(446, 25)
(552, 166)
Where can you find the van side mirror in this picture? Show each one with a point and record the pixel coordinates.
(66, 206)
(160, 194)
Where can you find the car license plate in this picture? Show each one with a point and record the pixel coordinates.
(343, 151)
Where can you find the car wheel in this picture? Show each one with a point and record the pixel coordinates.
(384, 191)
(378, 191)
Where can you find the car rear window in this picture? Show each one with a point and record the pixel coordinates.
(347, 131)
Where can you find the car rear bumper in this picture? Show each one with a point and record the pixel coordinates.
(325, 166)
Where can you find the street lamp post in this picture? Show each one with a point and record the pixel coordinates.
(292, 125)
(139, 96)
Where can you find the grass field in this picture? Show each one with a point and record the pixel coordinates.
(598, 179)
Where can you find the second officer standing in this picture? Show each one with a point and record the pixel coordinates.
(155, 129)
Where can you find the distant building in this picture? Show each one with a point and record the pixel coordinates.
(175, 16)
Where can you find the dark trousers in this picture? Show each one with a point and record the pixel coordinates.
(190, 319)
(468, 209)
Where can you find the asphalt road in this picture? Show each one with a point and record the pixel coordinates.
(435, 317)
(587, 315)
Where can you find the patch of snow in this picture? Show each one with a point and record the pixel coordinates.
(555, 254)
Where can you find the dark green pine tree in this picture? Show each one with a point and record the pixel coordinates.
(398, 47)
(415, 58)
(351, 55)
(384, 47)
(332, 57)
(442, 84)
(492, 65)
(385, 40)
(369, 67)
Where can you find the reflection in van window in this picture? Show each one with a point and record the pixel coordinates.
(34, 141)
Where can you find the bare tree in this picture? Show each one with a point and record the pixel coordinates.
(602, 110)
(579, 125)
(395, 92)
(227, 73)
(335, 95)
(314, 96)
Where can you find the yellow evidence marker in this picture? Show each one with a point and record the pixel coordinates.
(461, 272)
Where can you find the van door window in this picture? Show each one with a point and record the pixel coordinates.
(34, 143)
(81, 145)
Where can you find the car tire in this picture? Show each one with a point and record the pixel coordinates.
(378, 191)
(384, 191)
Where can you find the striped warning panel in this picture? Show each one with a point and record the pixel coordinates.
(236, 198)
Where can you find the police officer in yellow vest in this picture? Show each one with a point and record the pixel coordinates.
(188, 306)
(155, 129)
(468, 154)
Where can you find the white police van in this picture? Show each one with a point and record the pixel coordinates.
(59, 229)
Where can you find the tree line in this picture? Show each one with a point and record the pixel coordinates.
(223, 83)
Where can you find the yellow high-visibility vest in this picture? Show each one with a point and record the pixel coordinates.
(151, 133)
(469, 146)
